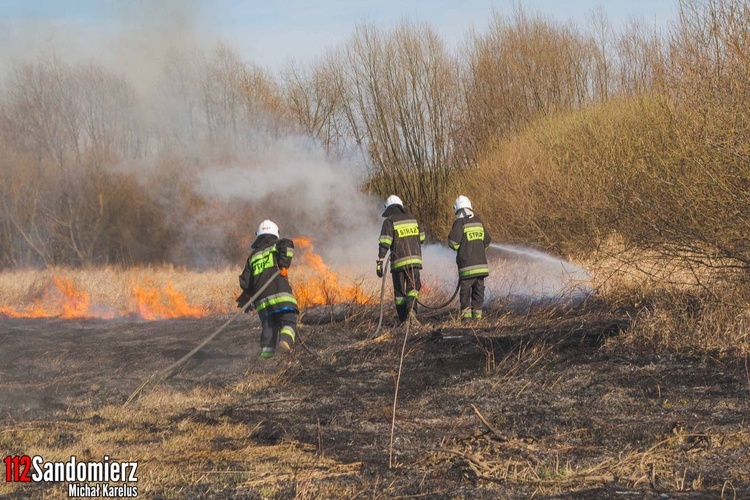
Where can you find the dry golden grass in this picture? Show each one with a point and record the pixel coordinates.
(178, 449)
(544, 465)
(615, 267)
(675, 307)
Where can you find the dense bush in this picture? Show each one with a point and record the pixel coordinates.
(667, 170)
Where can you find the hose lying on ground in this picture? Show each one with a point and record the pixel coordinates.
(446, 304)
(165, 373)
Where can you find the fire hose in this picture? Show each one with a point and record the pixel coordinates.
(165, 373)
(382, 295)
(446, 303)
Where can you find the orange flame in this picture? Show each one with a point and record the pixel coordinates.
(60, 299)
(314, 284)
(319, 285)
(154, 303)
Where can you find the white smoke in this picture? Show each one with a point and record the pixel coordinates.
(292, 181)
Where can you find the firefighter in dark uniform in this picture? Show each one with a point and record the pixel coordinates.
(276, 305)
(470, 239)
(402, 235)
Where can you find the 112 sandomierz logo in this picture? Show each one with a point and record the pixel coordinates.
(110, 478)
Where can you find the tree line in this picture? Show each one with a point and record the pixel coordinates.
(563, 134)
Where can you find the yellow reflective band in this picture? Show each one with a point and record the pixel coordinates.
(406, 262)
(472, 272)
(287, 331)
(276, 299)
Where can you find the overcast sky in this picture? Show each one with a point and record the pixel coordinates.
(266, 32)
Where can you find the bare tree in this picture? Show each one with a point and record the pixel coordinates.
(522, 69)
(239, 102)
(641, 57)
(400, 101)
(314, 96)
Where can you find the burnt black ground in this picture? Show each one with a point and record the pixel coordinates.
(552, 390)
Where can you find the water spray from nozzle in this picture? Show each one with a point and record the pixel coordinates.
(517, 274)
(528, 274)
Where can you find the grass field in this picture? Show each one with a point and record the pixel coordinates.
(640, 389)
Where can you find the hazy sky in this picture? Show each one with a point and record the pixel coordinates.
(267, 32)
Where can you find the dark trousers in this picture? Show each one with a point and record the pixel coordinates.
(275, 327)
(406, 287)
(472, 297)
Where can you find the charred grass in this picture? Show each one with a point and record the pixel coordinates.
(538, 401)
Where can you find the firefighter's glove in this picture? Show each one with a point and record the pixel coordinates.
(284, 271)
(379, 267)
(242, 299)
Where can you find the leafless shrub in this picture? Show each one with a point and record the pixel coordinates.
(401, 105)
(521, 69)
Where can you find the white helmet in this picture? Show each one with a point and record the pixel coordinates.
(461, 202)
(267, 227)
(393, 200)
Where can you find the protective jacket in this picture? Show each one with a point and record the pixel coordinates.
(401, 235)
(470, 239)
(269, 254)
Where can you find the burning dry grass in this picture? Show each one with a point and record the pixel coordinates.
(153, 293)
(110, 292)
(316, 284)
(673, 307)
